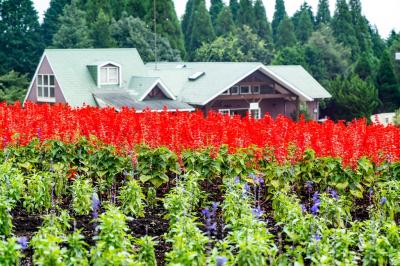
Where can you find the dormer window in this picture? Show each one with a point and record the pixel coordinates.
(109, 75)
(45, 88)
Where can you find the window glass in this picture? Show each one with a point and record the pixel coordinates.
(245, 89)
(46, 92)
(256, 89)
(51, 80)
(103, 75)
(52, 92)
(112, 75)
(40, 79)
(46, 80)
(235, 90)
(40, 91)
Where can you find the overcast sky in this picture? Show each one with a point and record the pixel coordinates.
(385, 14)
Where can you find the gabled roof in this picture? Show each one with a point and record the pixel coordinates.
(123, 98)
(139, 87)
(219, 76)
(71, 69)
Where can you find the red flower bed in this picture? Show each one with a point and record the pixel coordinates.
(179, 131)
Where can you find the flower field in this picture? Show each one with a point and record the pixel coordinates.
(94, 187)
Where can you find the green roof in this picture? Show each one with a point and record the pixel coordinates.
(71, 70)
(220, 76)
(138, 86)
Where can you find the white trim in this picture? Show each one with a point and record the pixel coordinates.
(256, 86)
(238, 90)
(224, 110)
(163, 87)
(99, 66)
(34, 76)
(291, 87)
(242, 86)
(47, 98)
(227, 92)
(266, 71)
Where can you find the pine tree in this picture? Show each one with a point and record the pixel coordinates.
(261, 26)
(304, 25)
(279, 15)
(167, 24)
(234, 6)
(343, 29)
(364, 66)
(224, 24)
(202, 30)
(101, 32)
(13, 87)
(187, 22)
(323, 13)
(388, 87)
(285, 36)
(20, 40)
(73, 32)
(215, 9)
(50, 22)
(378, 45)
(392, 38)
(92, 8)
(361, 26)
(137, 8)
(245, 13)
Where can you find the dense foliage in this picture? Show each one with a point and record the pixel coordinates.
(85, 203)
(178, 131)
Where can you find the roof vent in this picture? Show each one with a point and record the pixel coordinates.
(196, 76)
(181, 66)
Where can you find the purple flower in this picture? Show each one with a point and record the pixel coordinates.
(257, 212)
(95, 205)
(206, 212)
(221, 260)
(371, 191)
(303, 208)
(23, 242)
(214, 207)
(236, 179)
(317, 236)
(383, 200)
(316, 203)
(334, 194)
(246, 188)
(309, 185)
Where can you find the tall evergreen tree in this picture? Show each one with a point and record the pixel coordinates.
(202, 30)
(186, 23)
(245, 13)
(51, 23)
(261, 26)
(364, 66)
(224, 24)
(323, 12)
(167, 24)
(285, 36)
(92, 8)
(388, 87)
(216, 8)
(234, 6)
(304, 25)
(392, 38)
(101, 32)
(378, 45)
(279, 15)
(20, 40)
(73, 32)
(361, 26)
(137, 8)
(342, 26)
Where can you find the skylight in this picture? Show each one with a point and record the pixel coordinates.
(196, 76)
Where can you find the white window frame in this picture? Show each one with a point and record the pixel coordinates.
(234, 93)
(248, 87)
(253, 91)
(224, 111)
(45, 87)
(254, 110)
(108, 68)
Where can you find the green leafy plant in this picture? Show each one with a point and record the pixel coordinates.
(38, 195)
(5, 217)
(76, 253)
(132, 198)
(82, 191)
(10, 252)
(145, 251)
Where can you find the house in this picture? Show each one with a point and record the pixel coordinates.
(383, 118)
(119, 78)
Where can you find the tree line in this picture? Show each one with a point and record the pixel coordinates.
(343, 50)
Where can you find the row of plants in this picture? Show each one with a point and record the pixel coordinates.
(181, 130)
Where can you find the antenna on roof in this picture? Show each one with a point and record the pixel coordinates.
(155, 33)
